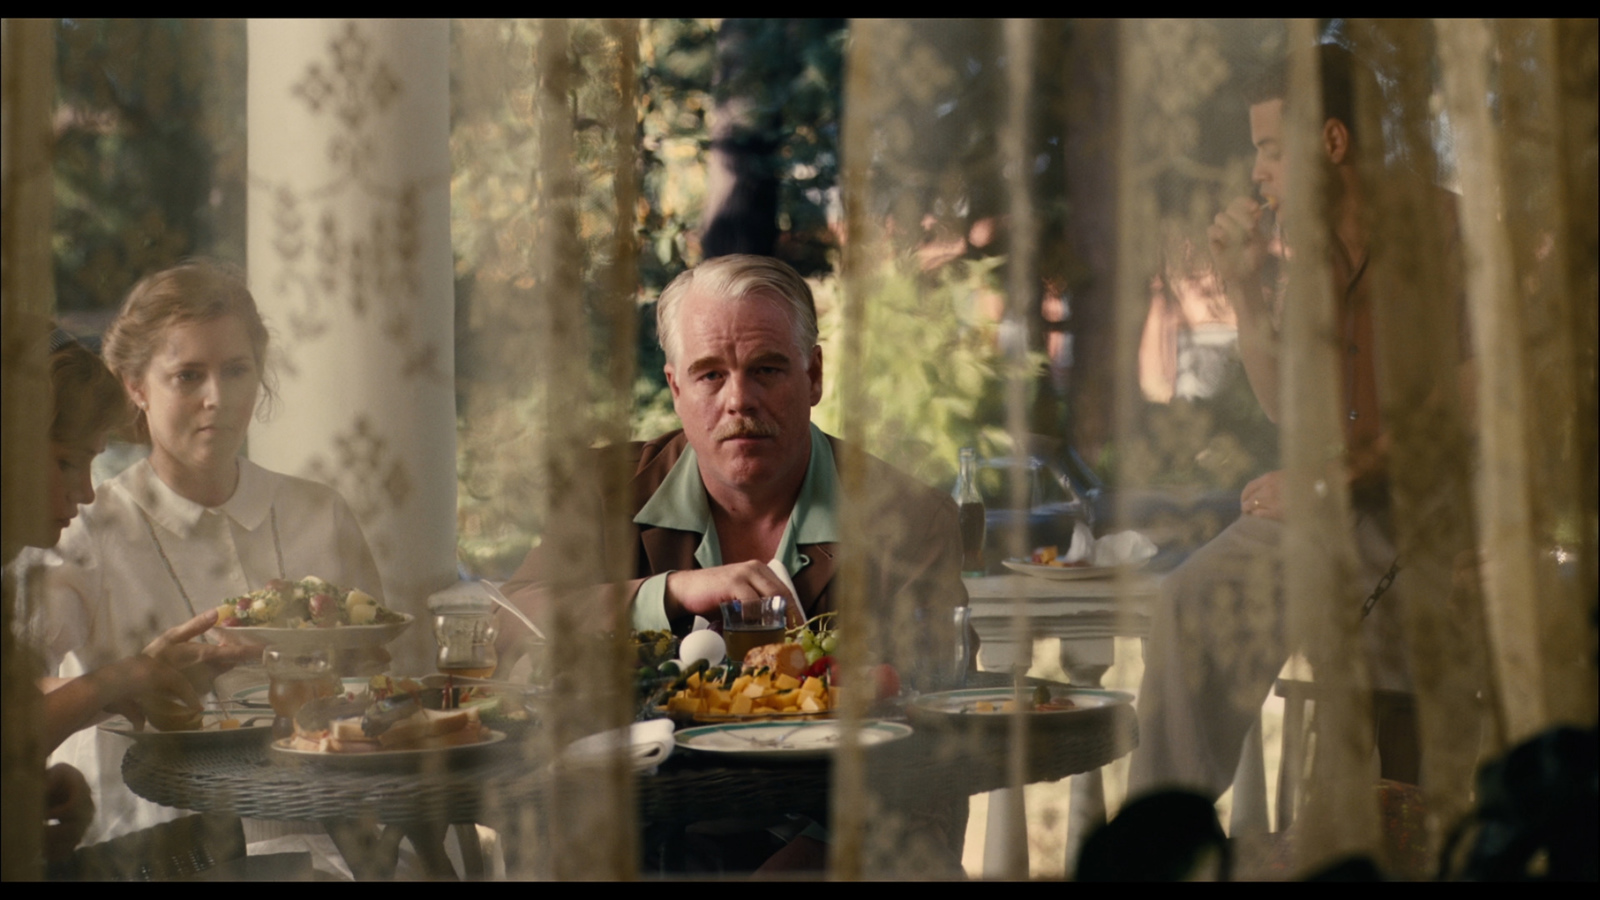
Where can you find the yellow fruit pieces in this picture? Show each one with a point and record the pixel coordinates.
(753, 695)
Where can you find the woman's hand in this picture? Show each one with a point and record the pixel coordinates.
(143, 687)
(164, 684)
(200, 663)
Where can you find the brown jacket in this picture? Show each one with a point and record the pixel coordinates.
(913, 559)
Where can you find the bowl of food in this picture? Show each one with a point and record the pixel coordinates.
(1063, 721)
(309, 613)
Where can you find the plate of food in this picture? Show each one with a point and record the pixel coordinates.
(217, 728)
(1090, 557)
(501, 705)
(784, 740)
(396, 732)
(751, 695)
(309, 614)
(793, 678)
(1060, 571)
(285, 750)
(1048, 705)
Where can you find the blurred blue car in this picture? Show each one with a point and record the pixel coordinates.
(1055, 504)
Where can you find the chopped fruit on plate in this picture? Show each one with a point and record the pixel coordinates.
(1049, 556)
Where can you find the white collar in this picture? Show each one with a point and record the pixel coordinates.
(248, 507)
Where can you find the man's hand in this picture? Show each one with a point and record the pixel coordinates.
(1264, 497)
(69, 809)
(1240, 251)
(1237, 244)
(701, 591)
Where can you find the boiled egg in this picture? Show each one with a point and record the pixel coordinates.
(706, 645)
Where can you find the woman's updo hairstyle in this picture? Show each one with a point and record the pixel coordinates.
(192, 291)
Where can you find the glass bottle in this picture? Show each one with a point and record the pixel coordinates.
(971, 512)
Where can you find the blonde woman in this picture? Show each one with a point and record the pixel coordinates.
(193, 524)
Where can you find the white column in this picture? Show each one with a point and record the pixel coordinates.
(350, 261)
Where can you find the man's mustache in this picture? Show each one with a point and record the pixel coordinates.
(743, 427)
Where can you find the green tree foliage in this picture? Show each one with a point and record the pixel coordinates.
(934, 374)
(774, 131)
(150, 168)
(149, 151)
(497, 187)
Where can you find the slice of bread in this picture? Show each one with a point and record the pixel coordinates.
(430, 723)
(346, 730)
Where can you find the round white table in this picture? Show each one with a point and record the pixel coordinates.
(1086, 615)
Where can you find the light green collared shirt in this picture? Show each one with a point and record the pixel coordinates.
(680, 503)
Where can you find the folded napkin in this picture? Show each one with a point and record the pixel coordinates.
(782, 571)
(796, 615)
(1125, 548)
(1082, 545)
(647, 744)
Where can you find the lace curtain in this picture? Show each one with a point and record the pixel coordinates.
(999, 214)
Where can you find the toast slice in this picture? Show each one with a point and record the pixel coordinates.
(431, 723)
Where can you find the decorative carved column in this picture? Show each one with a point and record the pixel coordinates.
(349, 258)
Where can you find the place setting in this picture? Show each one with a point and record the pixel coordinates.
(1087, 557)
(445, 719)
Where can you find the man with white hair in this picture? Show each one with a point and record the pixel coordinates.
(749, 480)
(749, 485)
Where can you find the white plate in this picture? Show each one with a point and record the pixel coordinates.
(784, 740)
(341, 637)
(385, 759)
(204, 739)
(1064, 573)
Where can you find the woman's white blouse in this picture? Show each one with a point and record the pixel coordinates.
(108, 591)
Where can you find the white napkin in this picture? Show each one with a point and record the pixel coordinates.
(1125, 548)
(648, 744)
(782, 571)
(1082, 544)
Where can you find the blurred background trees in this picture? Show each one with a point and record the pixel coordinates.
(149, 154)
(737, 149)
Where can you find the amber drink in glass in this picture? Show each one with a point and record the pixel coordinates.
(747, 624)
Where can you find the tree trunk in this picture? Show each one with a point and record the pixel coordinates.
(741, 214)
